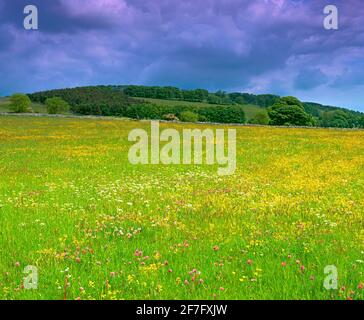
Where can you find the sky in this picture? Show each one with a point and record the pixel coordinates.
(261, 46)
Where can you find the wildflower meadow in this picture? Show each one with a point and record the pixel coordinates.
(95, 226)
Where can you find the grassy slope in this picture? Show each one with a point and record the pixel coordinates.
(250, 110)
(37, 107)
(70, 200)
(3, 104)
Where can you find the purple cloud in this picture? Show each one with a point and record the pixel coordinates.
(266, 46)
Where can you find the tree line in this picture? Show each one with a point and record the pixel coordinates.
(317, 114)
(197, 95)
(106, 101)
(121, 101)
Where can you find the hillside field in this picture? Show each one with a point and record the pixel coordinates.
(98, 227)
(36, 107)
(249, 109)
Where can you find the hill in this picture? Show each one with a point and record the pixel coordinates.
(152, 102)
(109, 101)
(36, 107)
(249, 109)
(325, 116)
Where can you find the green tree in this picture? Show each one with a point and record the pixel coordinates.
(335, 119)
(213, 99)
(20, 103)
(361, 122)
(291, 101)
(289, 111)
(56, 105)
(261, 117)
(188, 116)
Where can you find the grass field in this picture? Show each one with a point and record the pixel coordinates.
(249, 109)
(97, 227)
(36, 107)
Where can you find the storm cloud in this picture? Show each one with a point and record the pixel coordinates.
(264, 46)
